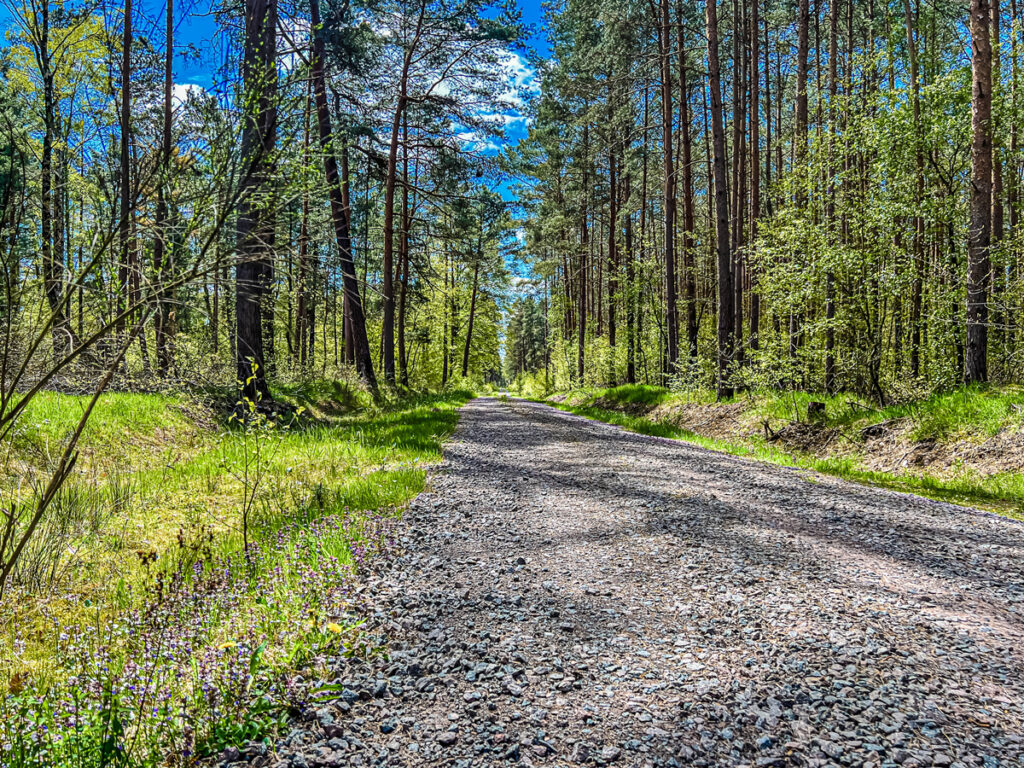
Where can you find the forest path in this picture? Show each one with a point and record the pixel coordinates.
(572, 593)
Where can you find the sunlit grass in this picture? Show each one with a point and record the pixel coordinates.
(170, 474)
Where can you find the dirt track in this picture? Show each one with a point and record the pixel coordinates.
(571, 594)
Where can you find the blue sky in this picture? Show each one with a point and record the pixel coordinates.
(196, 34)
(199, 52)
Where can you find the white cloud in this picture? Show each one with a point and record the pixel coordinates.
(522, 80)
(296, 32)
(503, 118)
(471, 141)
(181, 92)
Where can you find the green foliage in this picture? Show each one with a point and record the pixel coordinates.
(636, 393)
(859, 266)
(526, 338)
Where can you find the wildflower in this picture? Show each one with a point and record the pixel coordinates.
(335, 628)
(225, 646)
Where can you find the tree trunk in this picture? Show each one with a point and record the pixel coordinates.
(755, 166)
(997, 164)
(726, 320)
(341, 210)
(1013, 191)
(630, 288)
(472, 313)
(53, 268)
(613, 255)
(390, 180)
(917, 289)
(387, 289)
(979, 235)
(802, 53)
(833, 93)
(739, 119)
(162, 259)
(256, 217)
(581, 338)
(999, 319)
(800, 140)
(124, 223)
(303, 293)
(403, 248)
(665, 42)
(689, 225)
(444, 322)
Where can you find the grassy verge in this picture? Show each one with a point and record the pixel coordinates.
(141, 632)
(737, 427)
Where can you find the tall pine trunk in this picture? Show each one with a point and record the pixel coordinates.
(52, 264)
(390, 182)
(256, 219)
(755, 165)
(162, 258)
(403, 247)
(980, 233)
(689, 225)
(800, 140)
(726, 320)
(472, 313)
(669, 188)
(613, 255)
(830, 213)
(919, 245)
(124, 221)
(341, 210)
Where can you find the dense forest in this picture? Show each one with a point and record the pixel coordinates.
(811, 194)
(815, 194)
(327, 202)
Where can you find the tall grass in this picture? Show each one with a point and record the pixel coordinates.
(165, 640)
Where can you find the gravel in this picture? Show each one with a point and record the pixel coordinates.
(568, 593)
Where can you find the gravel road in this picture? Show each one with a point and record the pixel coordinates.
(569, 593)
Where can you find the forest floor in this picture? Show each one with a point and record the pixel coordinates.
(571, 593)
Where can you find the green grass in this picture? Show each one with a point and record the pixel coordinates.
(163, 477)
(119, 420)
(636, 393)
(972, 413)
(962, 413)
(156, 467)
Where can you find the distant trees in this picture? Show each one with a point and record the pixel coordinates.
(238, 230)
(527, 342)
